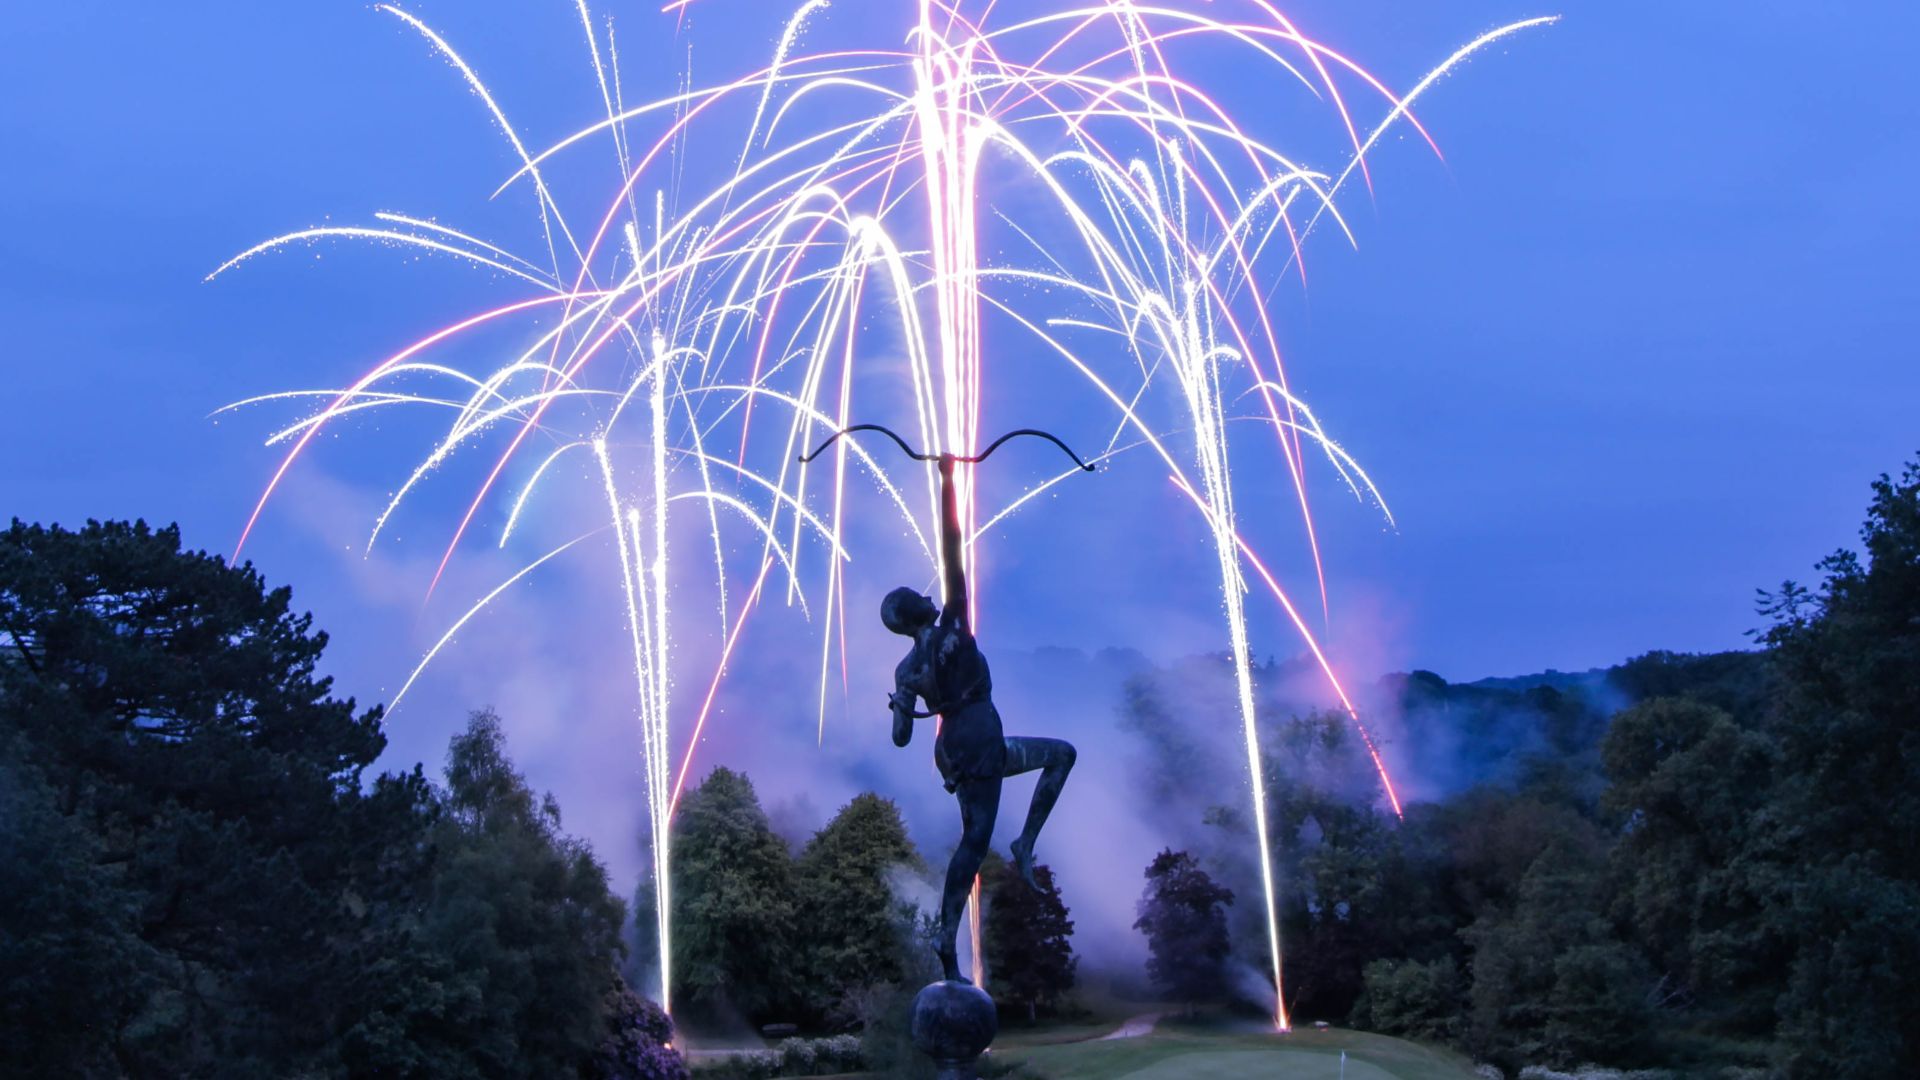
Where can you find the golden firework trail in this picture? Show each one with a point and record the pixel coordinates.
(689, 340)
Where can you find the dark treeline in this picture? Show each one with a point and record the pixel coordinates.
(198, 879)
(1706, 863)
(1701, 863)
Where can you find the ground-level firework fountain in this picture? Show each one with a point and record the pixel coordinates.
(840, 255)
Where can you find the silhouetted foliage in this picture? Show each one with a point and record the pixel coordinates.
(1847, 834)
(1694, 861)
(1737, 682)
(196, 880)
(1412, 999)
(1029, 940)
(1183, 915)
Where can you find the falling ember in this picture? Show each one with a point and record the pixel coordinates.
(669, 323)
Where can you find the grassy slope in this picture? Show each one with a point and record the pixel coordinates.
(1202, 1053)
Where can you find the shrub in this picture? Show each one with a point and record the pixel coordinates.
(797, 1057)
(1411, 999)
(792, 1057)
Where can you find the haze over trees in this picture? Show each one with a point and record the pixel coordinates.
(1701, 862)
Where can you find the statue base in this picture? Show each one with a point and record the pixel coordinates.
(954, 1023)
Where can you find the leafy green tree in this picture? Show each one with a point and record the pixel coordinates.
(1847, 660)
(1183, 915)
(1551, 982)
(1029, 939)
(1333, 846)
(733, 902)
(853, 922)
(1412, 999)
(502, 958)
(1490, 839)
(1690, 790)
(523, 913)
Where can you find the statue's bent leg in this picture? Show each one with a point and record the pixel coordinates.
(1055, 758)
(979, 807)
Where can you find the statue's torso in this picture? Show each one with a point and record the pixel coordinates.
(946, 669)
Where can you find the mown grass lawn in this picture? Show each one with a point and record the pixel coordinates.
(1209, 1045)
(1180, 1051)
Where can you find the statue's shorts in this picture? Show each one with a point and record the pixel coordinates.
(971, 745)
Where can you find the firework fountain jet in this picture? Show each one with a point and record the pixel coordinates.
(951, 135)
(751, 295)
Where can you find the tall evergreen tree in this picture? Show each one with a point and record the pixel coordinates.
(850, 920)
(733, 902)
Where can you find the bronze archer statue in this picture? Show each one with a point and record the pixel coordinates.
(947, 671)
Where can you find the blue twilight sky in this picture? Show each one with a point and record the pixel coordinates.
(1635, 348)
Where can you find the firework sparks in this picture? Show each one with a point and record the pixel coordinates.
(1165, 218)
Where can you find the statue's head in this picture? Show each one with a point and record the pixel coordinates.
(907, 612)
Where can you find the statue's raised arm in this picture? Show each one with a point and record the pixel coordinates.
(952, 557)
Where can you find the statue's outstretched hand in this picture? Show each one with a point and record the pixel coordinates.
(902, 705)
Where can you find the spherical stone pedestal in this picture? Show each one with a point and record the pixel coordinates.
(953, 1023)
